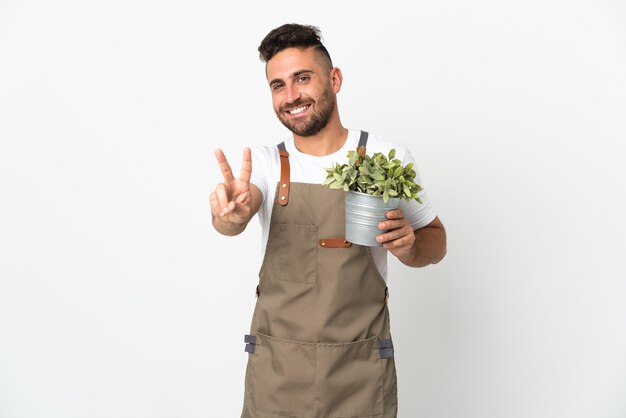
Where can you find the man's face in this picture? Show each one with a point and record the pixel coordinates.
(302, 92)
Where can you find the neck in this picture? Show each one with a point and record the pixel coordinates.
(325, 142)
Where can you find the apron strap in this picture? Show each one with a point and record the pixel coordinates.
(250, 341)
(385, 348)
(283, 190)
(363, 141)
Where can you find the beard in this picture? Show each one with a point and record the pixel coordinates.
(318, 119)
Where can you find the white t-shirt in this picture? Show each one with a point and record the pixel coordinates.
(307, 168)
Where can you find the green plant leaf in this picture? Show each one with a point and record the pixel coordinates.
(352, 158)
(367, 180)
(378, 176)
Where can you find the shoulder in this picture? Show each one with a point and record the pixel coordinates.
(269, 153)
(264, 152)
(265, 166)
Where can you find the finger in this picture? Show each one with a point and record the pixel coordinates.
(215, 204)
(397, 238)
(392, 224)
(222, 196)
(231, 207)
(246, 165)
(238, 213)
(389, 236)
(243, 198)
(405, 241)
(395, 214)
(227, 172)
(395, 234)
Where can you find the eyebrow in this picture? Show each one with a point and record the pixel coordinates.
(293, 75)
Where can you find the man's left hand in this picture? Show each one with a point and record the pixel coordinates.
(400, 237)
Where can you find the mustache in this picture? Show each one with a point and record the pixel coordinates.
(295, 104)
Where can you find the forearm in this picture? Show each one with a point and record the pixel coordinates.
(429, 247)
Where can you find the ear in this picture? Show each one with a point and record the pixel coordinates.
(336, 78)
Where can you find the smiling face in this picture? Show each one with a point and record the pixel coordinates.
(304, 89)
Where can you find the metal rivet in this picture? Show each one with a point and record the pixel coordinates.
(323, 243)
(283, 198)
(284, 186)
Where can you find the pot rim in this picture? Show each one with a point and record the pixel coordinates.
(372, 196)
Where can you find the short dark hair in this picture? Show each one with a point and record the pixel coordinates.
(292, 35)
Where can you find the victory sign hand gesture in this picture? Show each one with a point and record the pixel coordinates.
(231, 200)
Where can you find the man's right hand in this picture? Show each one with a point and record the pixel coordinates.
(231, 202)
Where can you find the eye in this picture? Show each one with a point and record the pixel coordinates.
(303, 78)
(276, 86)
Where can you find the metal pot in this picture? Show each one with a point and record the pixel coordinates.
(363, 214)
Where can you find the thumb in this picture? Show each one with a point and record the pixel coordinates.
(243, 198)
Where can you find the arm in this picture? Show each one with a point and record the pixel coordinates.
(417, 248)
(235, 201)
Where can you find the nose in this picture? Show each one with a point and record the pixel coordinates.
(293, 93)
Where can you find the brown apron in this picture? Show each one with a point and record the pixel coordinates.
(320, 342)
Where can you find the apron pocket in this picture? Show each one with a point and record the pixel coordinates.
(350, 379)
(297, 253)
(283, 380)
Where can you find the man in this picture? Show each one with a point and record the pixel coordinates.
(319, 342)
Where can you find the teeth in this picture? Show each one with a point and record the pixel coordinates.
(298, 110)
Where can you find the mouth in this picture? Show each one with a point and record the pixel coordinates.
(298, 110)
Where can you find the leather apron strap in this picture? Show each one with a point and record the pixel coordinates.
(283, 193)
(283, 190)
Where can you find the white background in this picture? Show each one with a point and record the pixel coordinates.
(117, 299)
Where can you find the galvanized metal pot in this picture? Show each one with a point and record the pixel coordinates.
(363, 214)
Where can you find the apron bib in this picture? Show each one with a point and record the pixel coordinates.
(319, 342)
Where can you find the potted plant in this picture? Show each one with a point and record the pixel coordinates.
(373, 185)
